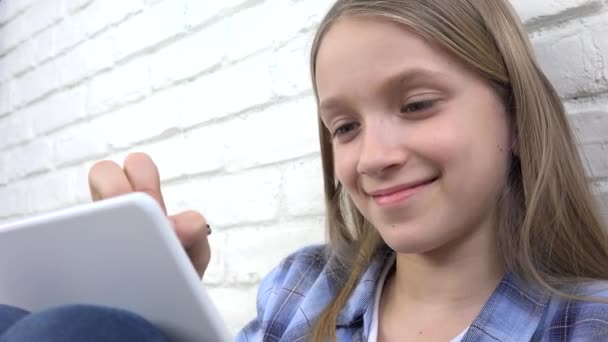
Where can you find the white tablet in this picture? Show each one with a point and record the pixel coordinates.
(119, 252)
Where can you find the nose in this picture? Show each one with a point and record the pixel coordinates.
(382, 149)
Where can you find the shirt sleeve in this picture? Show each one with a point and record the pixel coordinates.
(280, 294)
(255, 329)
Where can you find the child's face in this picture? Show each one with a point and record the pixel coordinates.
(421, 144)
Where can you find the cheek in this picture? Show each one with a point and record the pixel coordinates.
(345, 165)
(475, 156)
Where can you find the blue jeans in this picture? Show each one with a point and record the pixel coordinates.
(75, 323)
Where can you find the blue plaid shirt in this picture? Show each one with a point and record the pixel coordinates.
(295, 293)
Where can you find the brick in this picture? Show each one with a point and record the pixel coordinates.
(78, 143)
(312, 11)
(15, 159)
(278, 133)
(55, 190)
(34, 157)
(5, 74)
(68, 33)
(5, 101)
(229, 199)
(102, 14)
(20, 59)
(201, 150)
(14, 200)
(590, 127)
(248, 258)
(35, 84)
(14, 130)
(78, 184)
(57, 111)
(601, 191)
(11, 8)
(214, 274)
(229, 91)
(43, 46)
(205, 149)
(238, 304)
(163, 153)
(303, 187)
(149, 28)
(142, 121)
(293, 18)
(601, 43)
(548, 10)
(582, 70)
(30, 53)
(289, 68)
(13, 34)
(198, 12)
(594, 156)
(74, 5)
(189, 56)
(5, 168)
(10, 170)
(243, 42)
(43, 14)
(36, 17)
(87, 59)
(199, 155)
(123, 84)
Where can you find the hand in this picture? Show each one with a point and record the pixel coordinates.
(140, 174)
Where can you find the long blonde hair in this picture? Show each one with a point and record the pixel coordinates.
(550, 232)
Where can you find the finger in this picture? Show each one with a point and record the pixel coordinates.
(107, 179)
(190, 227)
(200, 255)
(191, 230)
(143, 176)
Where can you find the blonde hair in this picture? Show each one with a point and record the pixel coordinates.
(550, 232)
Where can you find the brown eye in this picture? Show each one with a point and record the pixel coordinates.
(343, 129)
(417, 106)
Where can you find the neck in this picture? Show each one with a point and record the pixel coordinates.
(461, 275)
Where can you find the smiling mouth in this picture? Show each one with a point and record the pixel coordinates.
(399, 194)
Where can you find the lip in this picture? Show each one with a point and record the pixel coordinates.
(399, 193)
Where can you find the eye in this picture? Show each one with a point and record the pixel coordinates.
(345, 128)
(417, 106)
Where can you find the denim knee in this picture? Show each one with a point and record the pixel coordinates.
(9, 315)
(82, 323)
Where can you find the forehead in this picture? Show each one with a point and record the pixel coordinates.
(366, 50)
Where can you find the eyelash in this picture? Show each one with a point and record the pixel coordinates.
(341, 129)
(347, 127)
(426, 104)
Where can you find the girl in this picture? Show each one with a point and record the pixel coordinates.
(457, 204)
(458, 207)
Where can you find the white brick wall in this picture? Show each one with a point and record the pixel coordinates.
(218, 93)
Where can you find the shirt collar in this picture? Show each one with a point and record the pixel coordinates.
(515, 308)
(512, 313)
(363, 294)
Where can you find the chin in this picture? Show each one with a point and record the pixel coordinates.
(412, 243)
(410, 247)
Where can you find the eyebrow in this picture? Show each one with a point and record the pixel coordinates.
(409, 76)
(417, 75)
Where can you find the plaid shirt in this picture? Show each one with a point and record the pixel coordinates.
(295, 293)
